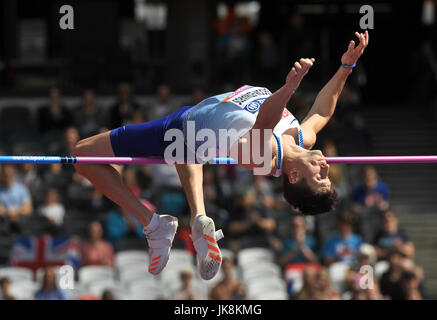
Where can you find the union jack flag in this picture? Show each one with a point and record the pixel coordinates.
(42, 251)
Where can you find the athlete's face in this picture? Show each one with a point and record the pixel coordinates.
(316, 171)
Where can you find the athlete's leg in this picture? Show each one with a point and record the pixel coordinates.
(191, 177)
(203, 232)
(106, 178)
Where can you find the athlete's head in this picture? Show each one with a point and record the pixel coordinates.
(306, 185)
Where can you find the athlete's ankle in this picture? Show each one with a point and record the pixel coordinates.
(153, 223)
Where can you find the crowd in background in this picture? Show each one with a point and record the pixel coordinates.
(362, 230)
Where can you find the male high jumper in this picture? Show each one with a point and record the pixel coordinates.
(253, 112)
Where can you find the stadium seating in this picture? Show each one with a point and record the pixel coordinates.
(16, 274)
(88, 274)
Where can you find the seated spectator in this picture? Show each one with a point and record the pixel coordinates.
(121, 112)
(343, 247)
(410, 284)
(372, 193)
(391, 279)
(50, 289)
(97, 251)
(15, 199)
(89, 118)
(264, 191)
(299, 248)
(53, 209)
(323, 289)
(250, 223)
(336, 171)
(197, 95)
(5, 285)
(309, 284)
(120, 224)
(107, 295)
(392, 237)
(353, 280)
(57, 177)
(55, 117)
(398, 286)
(228, 288)
(130, 180)
(186, 292)
(144, 177)
(137, 117)
(162, 107)
(71, 138)
(31, 178)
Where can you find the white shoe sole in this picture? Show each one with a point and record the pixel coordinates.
(210, 265)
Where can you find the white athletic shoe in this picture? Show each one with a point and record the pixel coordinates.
(160, 241)
(204, 236)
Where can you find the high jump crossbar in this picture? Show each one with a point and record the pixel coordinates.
(141, 160)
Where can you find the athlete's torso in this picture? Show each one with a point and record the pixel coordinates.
(236, 110)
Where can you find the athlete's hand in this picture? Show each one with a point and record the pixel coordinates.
(297, 73)
(353, 53)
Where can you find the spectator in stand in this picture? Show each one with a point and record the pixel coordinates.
(250, 223)
(49, 289)
(186, 292)
(55, 117)
(197, 95)
(391, 285)
(107, 295)
(228, 288)
(5, 285)
(336, 171)
(15, 198)
(57, 177)
(31, 178)
(53, 209)
(144, 177)
(121, 112)
(392, 237)
(70, 136)
(372, 193)
(309, 284)
(97, 251)
(410, 284)
(323, 289)
(299, 248)
(120, 224)
(354, 276)
(268, 59)
(89, 118)
(345, 246)
(162, 106)
(264, 190)
(130, 180)
(397, 285)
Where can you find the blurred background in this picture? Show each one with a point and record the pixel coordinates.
(132, 61)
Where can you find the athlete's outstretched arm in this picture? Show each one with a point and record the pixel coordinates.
(271, 110)
(191, 176)
(326, 101)
(268, 117)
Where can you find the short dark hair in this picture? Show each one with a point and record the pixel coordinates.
(306, 200)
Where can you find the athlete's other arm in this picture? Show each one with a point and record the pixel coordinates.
(191, 177)
(326, 101)
(271, 111)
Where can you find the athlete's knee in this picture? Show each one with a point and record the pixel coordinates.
(78, 150)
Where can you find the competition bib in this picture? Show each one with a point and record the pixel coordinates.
(249, 98)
